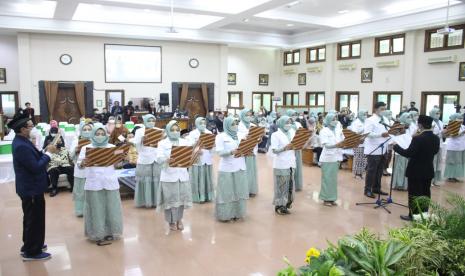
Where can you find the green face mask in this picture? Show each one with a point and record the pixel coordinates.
(150, 124)
(100, 139)
(86, 133)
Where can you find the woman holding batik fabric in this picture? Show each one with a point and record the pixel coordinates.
(399, 181)
(298, 153)
(250, 161)
(147, 168)
(232, 190)
(455, 158)
(438, 127)
(103, 220)
(283, 166)
(360, 160)
(201, 174)
(331, 138)
(174, 193)
(79, 173)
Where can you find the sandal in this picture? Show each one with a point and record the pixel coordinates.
(333, 203)
(328, 204)
(173, 227)
(102, 242)
(180, 225)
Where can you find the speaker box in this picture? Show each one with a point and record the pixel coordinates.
(164, 99)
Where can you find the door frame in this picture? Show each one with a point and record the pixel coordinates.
(441, 94)
(271, 93)
(338, 96)
(107, 91)
(15, 93)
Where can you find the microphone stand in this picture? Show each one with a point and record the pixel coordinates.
(389, 199)
(380, 203)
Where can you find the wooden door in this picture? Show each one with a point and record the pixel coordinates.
(66, 107)
(194, 105)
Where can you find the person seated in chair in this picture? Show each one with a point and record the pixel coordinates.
(51, 136)
(60, 163)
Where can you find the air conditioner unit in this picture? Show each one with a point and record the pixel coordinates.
(386, 64)
(347, 66)
(445, 59)
(314, 69)
(289, 71)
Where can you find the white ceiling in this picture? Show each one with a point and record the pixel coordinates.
(272, 23)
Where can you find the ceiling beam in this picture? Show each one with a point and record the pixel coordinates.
(65, 9)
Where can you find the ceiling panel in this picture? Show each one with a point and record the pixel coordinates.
(39, 9)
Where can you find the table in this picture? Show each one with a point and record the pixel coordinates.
(6, 168)
(127, 177)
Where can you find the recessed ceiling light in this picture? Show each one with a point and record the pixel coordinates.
(245, 20)
(290, 25)
(292, 4)
(146, 10)
(343, 11)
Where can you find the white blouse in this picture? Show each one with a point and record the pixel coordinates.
(284, 159)
(457, 143)
(330, 137)
(146, 155)
(373, 126)
(78, 172)
(98, 178)
(170, 174)
(228, 163)
(206, 156)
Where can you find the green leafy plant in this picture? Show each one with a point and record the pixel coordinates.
(454, 262)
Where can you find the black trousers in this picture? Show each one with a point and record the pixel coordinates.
(387, 159)
(54, 174)
(318, 151)
(375, 166)
(33, 224)
(418, 187)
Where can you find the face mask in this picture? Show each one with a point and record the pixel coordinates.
(150, 124)
(175, 134)
(333, 124)
(118, 125)
(294, 118)
(248, 119)
(234, 128)
(287, 127)
(408, 121)
(202, 127)
(384, 113)
(100, 139)
(301, 117)
(86, 133)
(53, 134)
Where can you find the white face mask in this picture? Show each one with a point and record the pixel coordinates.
(150, 124)
(234, 128)
(248, 119)
(287, 127)
(176, 134)
(53, 134)
(100, 139)
(202, 127)
(86, 133)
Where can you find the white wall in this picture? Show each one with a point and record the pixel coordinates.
(9, 60)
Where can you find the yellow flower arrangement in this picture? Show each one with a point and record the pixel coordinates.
(312, 252)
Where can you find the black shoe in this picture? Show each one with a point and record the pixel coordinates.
(289, 205)
(285, 211)
(381, 193)
(369, 194)
(21, 252)
(280, 210)
(406, 217)
(53, 193)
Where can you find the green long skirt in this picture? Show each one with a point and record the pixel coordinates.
(78, 196)
(102, 214)
(437, 167)
(283, 187)
(399, 181)
(232, 193)
(298, 171)
(455, 164)
(147, 183)
(251, 167)
(174, 194)
(329, 172)
(201, 182)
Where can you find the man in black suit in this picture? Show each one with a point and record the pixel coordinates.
(420, 170)
(412, 107)
(116, 109)
(128, 111)
(29, 111)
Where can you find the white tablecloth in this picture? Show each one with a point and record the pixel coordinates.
(7, 173)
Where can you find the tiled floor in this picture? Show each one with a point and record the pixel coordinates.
(254, 246)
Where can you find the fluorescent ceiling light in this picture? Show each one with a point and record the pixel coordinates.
(348, 19)
(40, 9)
(343, 11)
(290, 25)
(221, 6)
(119, 15)
(292, 4)
(245, 20)
(416, 5)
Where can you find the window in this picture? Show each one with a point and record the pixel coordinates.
(439, 42)
(393, 100)
(348, 50)
(291, 98)
(262, 99)
(234, 101)
(9, 103)
(316, 54)
(446, 102)
(316, 101)
(292, 57)
(347, 99)
(390, 45)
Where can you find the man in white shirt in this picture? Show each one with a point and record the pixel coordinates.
(375, 149)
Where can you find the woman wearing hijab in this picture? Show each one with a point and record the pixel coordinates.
(53, 132)
(174, 194)
(201, 174)
(79, 173)
(438, 127)
(110, 126)
(455, 158)
(298, 153)
(119, 134)
(331, 155)
(250, 161)
(147, 168)
(360, 160)
(399, 181)
(283, 166)
(232, 189)
(103, 219)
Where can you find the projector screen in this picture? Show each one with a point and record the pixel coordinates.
(127, 63)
